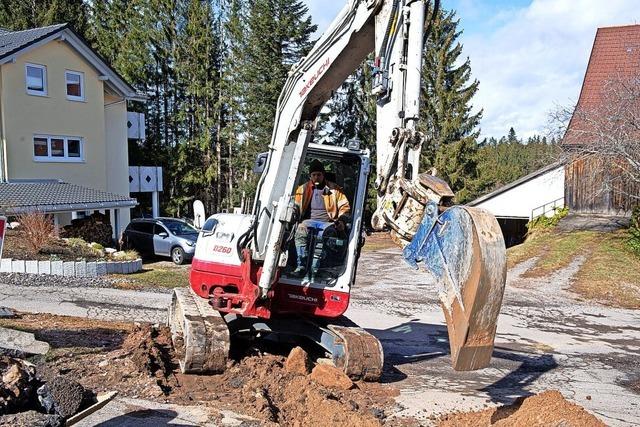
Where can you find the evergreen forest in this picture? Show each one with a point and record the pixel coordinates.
(213, 70)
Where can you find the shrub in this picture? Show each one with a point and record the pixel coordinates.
(39, 230)
(76, 242)
(129, 255)
(97, 246)
(544, 222)
(634, 231)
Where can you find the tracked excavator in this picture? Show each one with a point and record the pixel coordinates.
(242, 281)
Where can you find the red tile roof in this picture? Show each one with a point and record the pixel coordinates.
(615, 56)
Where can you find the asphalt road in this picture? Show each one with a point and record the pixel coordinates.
(547, 339)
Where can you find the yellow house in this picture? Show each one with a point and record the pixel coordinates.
(63, 127)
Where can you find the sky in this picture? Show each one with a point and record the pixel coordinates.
(530, 56)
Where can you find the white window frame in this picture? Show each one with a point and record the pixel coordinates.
(53, 159)
(72, 97)
(45, 90)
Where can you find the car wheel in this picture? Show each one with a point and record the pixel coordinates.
(177, 255)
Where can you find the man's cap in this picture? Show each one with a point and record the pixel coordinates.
(316, 166)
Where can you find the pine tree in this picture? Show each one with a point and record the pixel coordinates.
(25, 14)
(351, 112)
(447, 119)
(277, 35)
(197, 73)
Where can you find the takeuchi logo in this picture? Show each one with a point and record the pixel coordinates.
(319, 72)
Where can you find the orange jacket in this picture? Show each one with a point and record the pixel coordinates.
(334, 200)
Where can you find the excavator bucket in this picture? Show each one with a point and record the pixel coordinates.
(464, 250)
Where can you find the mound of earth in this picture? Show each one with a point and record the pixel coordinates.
(258, 385)
(545, 409)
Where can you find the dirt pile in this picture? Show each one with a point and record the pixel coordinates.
(18, 384)
(331, 377)
(544, 409)
(150, 351)
(95, 228)
(258, 385)
(298, 362)
(26, 400)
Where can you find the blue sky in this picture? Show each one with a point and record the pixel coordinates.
(529, 55)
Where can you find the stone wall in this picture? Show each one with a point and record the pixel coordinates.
(70, 268)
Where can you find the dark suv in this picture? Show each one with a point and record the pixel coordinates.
(170, 237)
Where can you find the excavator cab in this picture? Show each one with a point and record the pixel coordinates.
(332, 254)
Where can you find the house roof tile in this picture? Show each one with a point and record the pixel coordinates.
(12, 41)
(55, 196)
(615, 56)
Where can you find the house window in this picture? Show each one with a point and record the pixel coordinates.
(36, 79)
(75, 85)
(47, 148)
(40, 147)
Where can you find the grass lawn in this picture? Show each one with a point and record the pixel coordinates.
(161, 274)
(609, 275)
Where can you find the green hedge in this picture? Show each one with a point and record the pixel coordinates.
(543, 222)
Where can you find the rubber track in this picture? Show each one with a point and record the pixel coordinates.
(363, 356)
(199, 333)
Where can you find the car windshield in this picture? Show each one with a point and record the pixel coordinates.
(179, 228)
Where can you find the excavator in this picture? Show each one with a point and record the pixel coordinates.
(242, 280)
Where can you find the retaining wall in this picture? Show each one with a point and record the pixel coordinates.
(70, 268)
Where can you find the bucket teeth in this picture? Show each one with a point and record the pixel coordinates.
(199, 333)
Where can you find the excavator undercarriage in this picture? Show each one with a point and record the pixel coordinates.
(202, 337)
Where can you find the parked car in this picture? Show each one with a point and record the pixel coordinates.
(170, 237)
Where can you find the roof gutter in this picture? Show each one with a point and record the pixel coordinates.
(70, 207)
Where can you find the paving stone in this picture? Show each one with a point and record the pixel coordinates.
(17, 266)
(91, 269)
(101, 268)
(119, 267)
(31, 267)
(57, 268)
(81, 268)
(22, 341)
(69, 268)
(111, 267)
(5, 265)
(44, 267)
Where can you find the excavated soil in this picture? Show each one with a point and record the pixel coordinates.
(258, 385)
(545, 409)
(138, 361)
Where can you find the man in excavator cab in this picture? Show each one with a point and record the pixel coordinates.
(324, 210)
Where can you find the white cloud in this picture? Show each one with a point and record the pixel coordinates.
(537, 59)
(528, 59)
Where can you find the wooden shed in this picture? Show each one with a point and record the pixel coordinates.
(594, 185)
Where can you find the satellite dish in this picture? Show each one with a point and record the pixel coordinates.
(198, 214)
